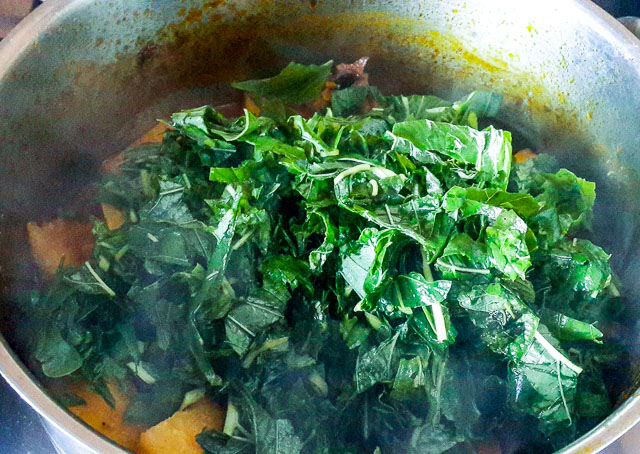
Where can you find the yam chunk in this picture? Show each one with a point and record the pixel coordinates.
(52, 241)
(154, 135)
(113, 217)
(524, 155)
(177, 434)
(251, 105)
(106, 420)
(113, 163)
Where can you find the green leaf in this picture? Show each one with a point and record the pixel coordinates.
(232, 175)
(204, 124)
(289, 153)
(219, 443)
(423, 302)
(266, 306)
(155, 405)
(490, 308)
(507, 245)
(419, 107)
(566, 201)
(525, 174)
(508, 239)
(580, 265)
(433, 440)
(410, 381)
(542, 380)
(58, 358)
(488, 152)
(569, 329)
(460, 407)
(478, 104)
(419, 219)
(416, 291)
(375, 365)
(484, 103)
(363, 263)
(296, 84)
(319, 255)
(543, 387)
(307, 138)
(216, 267)
(165, 316)
(282, 271)
(351, 100)
(522, 204)
(354, 333)
(247, 320)
(463, 258)
(266, 434)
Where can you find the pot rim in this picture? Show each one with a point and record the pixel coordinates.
(30, 390)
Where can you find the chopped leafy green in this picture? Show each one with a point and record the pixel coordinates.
(463, 257)
(373, 277)
(374, 365)
(486, 152)
(566, 201)
(58, 358)
(351, 101)
(567, 328)
(466, 111)
(296, 84)
(363, 266)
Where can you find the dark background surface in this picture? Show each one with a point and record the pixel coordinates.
(619, 8)
(21, 431)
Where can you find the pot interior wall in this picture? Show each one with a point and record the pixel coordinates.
(103, 72)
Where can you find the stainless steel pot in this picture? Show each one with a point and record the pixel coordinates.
(82, 78)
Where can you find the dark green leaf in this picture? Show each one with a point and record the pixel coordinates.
(463, 258)
(433, 440)
(375, 365)
(58, 358)
(296, 84)
(410, 381)
(352, 100)
(157, 404)
(488, 152)
(364, 263)
(570, 329)
(507, 245)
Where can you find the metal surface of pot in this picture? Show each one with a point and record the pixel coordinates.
(80, 79)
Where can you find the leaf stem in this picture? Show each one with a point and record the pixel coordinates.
(101, 283)
(464, 270)
(438, 318)
(171, 191)
(555, 354)
(614, 290)
(426, 269)
(351, 171)
(244, 130)
(374, 187)
(391, 221)
(264, 308)
(231, 419)
(429, 317)
(242, 240)
(338, 137)
(564, 399)
(241, 326)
